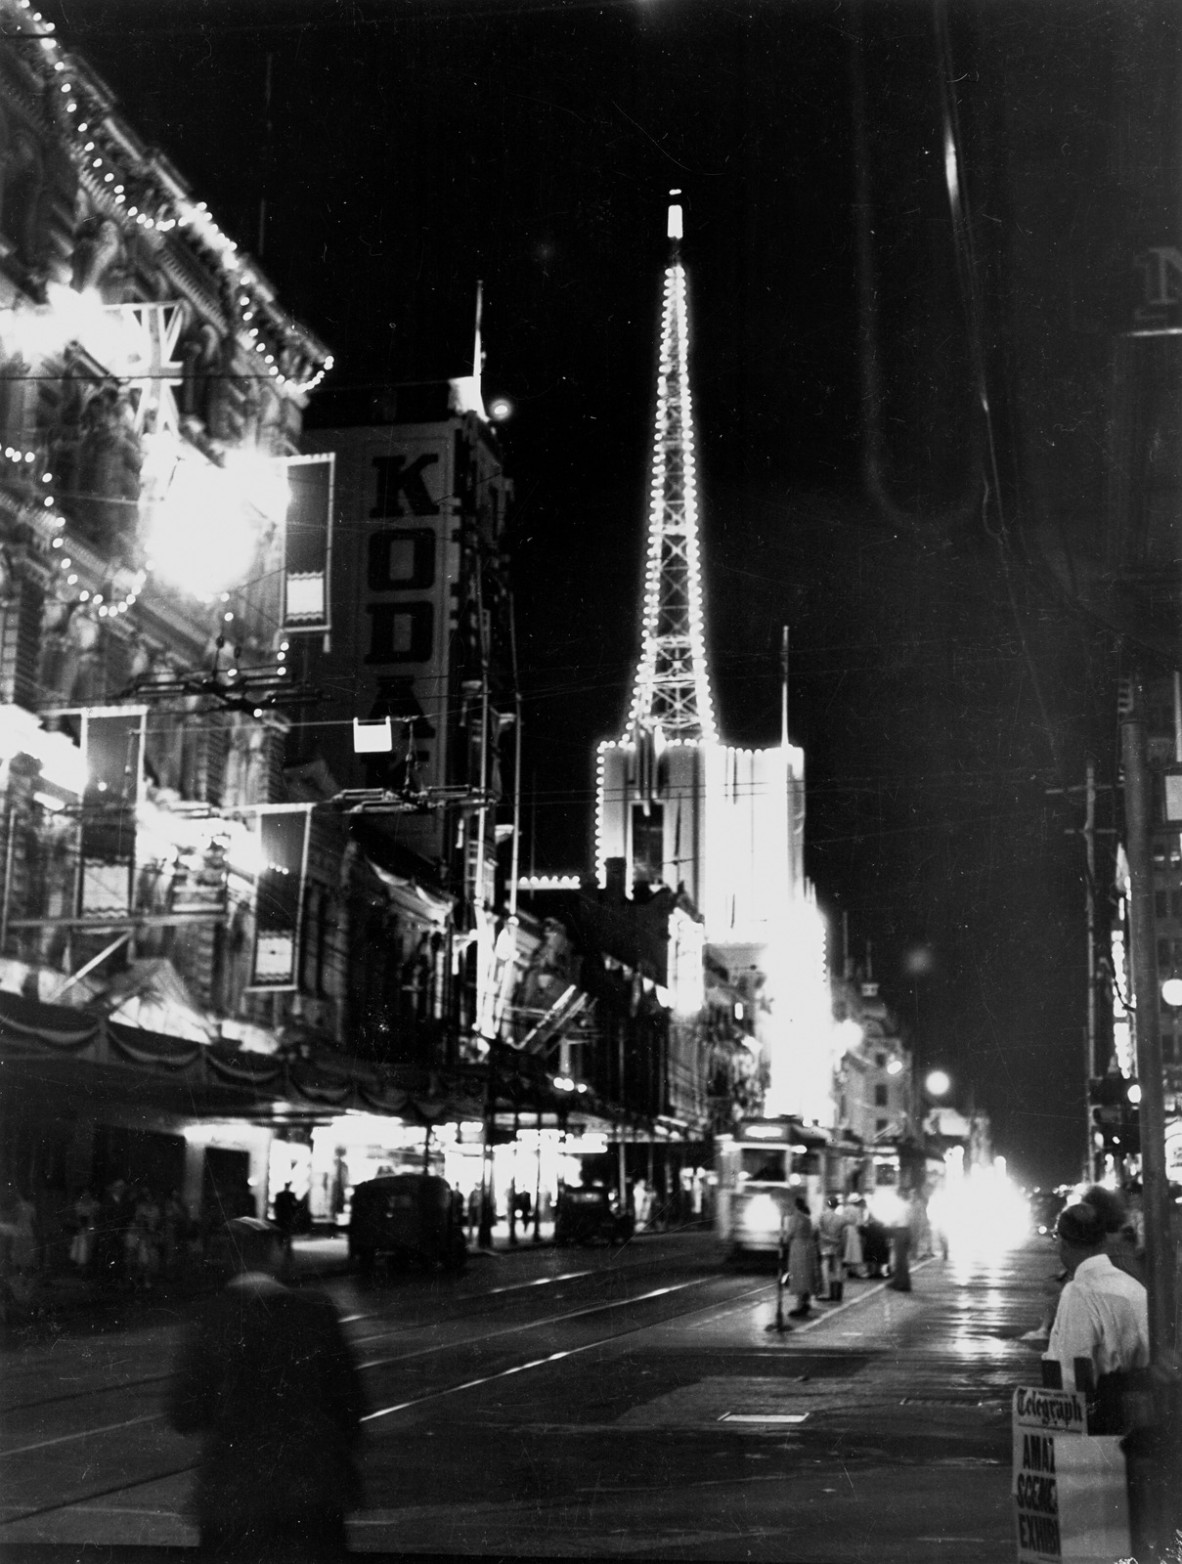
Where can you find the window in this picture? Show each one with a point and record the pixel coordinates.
(764, 1166)
(880, 1097)
(648, 843)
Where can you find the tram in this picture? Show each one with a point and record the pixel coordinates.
(760, 1172)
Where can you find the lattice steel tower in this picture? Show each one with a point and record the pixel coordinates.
(671, 690)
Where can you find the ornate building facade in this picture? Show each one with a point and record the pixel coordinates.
(258, 715)
(177, 908)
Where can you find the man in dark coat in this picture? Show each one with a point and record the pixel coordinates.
(268, 1380)
(285, 1216)
(804, 1264)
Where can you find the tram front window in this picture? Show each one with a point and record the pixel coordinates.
(762, 1166)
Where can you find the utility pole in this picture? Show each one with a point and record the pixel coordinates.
(1089, 836)
(791, 865)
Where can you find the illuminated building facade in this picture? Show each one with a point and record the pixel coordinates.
(1116, 1135)
(180, 916)
(678, 808)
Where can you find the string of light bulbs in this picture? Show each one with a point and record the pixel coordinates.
(141, 201)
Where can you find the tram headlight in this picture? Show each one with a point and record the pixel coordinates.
(762, 1214)
(887, 1207)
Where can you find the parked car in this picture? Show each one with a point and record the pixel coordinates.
(409, 1218)
(586, 1213)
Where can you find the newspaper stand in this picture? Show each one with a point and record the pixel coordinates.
(1070, 1490)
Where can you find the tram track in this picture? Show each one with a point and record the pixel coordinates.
(567, 1352)
(507, 1296)
(434, 1394)
(551, 1321)
(477, 1307)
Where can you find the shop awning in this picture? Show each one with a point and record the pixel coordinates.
(411, 899)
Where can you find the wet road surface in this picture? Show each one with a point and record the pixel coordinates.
(590, 1404)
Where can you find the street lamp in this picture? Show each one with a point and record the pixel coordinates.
(937, 1083)
(1171, 992)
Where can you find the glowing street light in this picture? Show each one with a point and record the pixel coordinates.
(937, 1083)
(1171, 992)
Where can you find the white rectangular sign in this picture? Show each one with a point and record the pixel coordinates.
(1069, 1489)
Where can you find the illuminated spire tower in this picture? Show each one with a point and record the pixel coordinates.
(677, 807)
(671, 691)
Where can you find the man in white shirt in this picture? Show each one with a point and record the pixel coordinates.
(1103, 1314)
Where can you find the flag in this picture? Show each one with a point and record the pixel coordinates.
(148, 360)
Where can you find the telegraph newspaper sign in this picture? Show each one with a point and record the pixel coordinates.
(1070, 1490)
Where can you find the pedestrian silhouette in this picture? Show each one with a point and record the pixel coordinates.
(285, 1215)
(267, 1380)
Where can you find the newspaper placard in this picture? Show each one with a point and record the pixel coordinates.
(1070, 1489)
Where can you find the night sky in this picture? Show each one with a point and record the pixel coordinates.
(407, 150)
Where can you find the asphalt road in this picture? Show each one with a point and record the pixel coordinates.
(584, 1404)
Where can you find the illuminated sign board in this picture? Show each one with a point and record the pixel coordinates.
(307, 544)
(279, 895)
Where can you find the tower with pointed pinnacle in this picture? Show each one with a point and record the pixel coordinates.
(675, 804)
(671, 689)
(678, 809)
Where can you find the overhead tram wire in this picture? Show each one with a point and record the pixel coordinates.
(319, 19)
